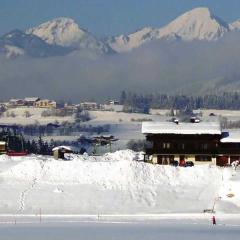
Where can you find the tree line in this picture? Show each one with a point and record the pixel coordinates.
(134, 102)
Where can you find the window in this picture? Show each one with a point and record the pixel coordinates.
(182, 146)
(165, 160)
(166, 145)
(203, 158)
(149, 144)
(204, 146)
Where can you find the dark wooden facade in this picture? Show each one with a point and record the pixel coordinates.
(166, 148)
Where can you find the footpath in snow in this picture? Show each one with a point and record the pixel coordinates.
(115, 184)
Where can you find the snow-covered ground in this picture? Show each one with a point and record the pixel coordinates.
(35, 116)
(115, 183)
(124, 126)
(121, 117)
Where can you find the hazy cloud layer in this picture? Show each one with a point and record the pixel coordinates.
(158, 67)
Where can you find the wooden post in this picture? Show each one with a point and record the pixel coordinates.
(40, 215)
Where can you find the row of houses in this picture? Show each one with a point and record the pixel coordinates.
(32, 102)
(46, 103)
(197, 142)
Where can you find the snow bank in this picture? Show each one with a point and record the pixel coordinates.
(112, 170)
(114, 183)
(4, 158)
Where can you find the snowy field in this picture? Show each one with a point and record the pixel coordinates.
(35, 117)
(124, 126)
(115, 183)
(121, 117)
(149, 230)
(103, 117)
(115, 196)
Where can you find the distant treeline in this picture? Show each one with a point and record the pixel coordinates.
(65, 129)
(17, 142)
(134, 102)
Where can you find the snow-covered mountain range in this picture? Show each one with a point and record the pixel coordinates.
(17, 43)
(63, 35)
(235, 25)
(67, 33)
(197, 24)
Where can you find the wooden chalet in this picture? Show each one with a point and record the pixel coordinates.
(195, 141)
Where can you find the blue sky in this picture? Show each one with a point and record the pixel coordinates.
(107, 17)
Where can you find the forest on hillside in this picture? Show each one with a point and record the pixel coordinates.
(134, 102)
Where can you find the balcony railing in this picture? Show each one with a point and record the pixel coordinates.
(226, 151)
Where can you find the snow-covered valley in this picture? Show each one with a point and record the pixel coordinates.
(115, 183)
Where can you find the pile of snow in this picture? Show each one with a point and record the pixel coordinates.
(114, 183)
(229, 194)
(4, 158)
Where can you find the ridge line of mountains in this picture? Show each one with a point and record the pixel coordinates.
(62, 36)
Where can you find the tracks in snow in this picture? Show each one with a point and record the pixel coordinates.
(24, 193)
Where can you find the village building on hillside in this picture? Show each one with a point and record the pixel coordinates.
(31, 101)
(70, 108)
(195, 142)
(91, 106)
(113, 102)
(45, 103)
(16, 102)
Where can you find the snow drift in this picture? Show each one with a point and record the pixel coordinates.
(115, 183)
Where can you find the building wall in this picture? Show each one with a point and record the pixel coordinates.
(3, 148)
(46, 104)
(166, 159)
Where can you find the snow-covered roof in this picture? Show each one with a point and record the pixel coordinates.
(89, 103)
(15, 100)
(2, 143)
(231, 136)
(62, 147)
(181, 128)
(31, 99)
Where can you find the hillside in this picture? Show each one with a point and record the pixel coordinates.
(112, 184)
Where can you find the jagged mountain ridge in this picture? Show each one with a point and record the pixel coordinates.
(63, 35)
(235, 25)
(17, 43)
(197, 24)
(67, 33)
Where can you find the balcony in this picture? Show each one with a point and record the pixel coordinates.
(171, 151)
